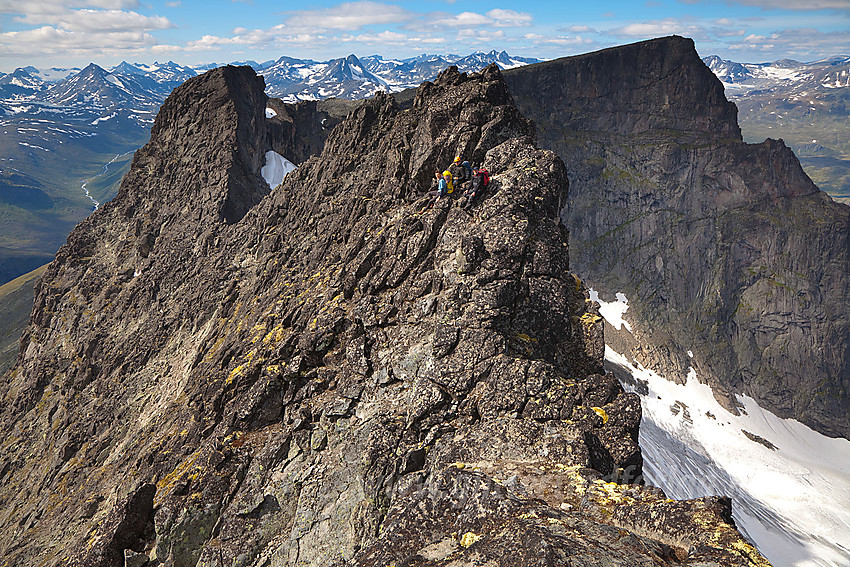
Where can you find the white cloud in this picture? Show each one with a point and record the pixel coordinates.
(92, 28)
(498, 18)
(667, 26)
(348, 16)
(385, 37)
(464, 19)
(48, 40)
(579, 29)
(804, 44)
(110, 21)
(509, 18)
(560, 41)
(32, 12)
(273, 38)
(89, 16)
(481, 36)
(106, 4)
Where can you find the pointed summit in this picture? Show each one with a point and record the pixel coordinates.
(127, 68)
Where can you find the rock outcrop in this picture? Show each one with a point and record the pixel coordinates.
(724, 249)
(329, 373)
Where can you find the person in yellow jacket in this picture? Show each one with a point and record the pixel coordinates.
(447, 175)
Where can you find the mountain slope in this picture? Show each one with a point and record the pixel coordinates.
(725, 249)
(806, 104)
(64, 127)
(20, 84)
(15, 308)
(218, 373)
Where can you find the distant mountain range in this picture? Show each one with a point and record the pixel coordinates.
(786, 74)
(805, 104)
(136, 91)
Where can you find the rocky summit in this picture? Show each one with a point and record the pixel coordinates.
(329, 372)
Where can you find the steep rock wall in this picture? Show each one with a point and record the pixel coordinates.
(723, 249)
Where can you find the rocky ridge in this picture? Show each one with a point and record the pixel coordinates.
(724, 249)
(221, 373)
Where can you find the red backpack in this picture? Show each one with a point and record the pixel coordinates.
(485, 176)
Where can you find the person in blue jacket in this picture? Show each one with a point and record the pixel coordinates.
(444, 187)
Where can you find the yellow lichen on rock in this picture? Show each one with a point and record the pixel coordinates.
(590, 319)
(601, 413)
(469, 538)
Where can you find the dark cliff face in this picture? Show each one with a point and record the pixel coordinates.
(328, 373)
(644, 89)
(723, 249)
(298, 131)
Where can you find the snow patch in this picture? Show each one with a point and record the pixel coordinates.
(115, 81)
(270, 113)
(613, 312)
(33, 146)
(20, 109)
(97, 121)
(790, 485)
(276, 168)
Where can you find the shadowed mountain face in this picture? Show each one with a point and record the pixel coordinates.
(723, 249)
(329, 372)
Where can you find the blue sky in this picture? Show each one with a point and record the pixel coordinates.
(68, 33)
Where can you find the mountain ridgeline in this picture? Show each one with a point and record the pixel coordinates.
(68, 133)
(328, 372)
(733, 262)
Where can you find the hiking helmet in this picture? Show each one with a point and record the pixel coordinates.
(457, 159)
(447, 172)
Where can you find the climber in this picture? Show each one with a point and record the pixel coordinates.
(448, 178)
(444, 187)
(461, 170)
(480, 181)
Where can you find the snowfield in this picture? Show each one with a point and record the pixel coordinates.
(790, 485)
(276, 168)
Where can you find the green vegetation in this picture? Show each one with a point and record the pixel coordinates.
(43, 165)
(16, 299)
(815, 129)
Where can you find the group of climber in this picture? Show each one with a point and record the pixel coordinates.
(461, 177)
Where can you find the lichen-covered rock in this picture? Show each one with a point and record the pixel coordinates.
(336, 374)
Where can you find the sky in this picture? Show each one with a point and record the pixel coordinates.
(73, 33)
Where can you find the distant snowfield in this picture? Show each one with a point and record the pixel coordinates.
(792, 501)
(97, 121)
(276, 168)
